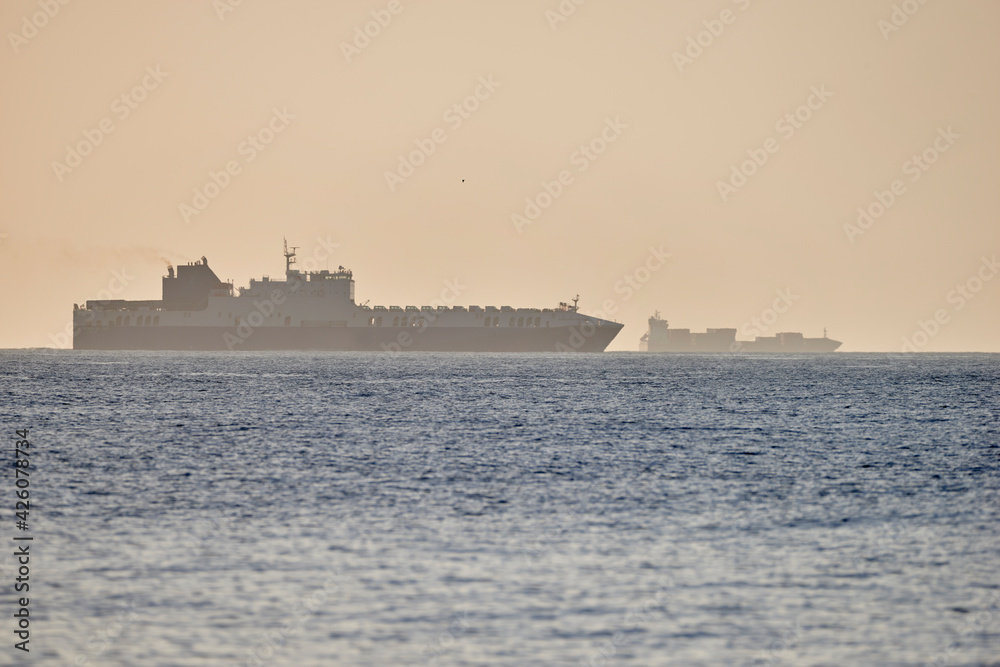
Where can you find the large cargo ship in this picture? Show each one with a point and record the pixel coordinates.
(661, 338)
(315, 310)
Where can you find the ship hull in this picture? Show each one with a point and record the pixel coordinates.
(661, 338)
(374, 339)
(814, 346)
(316, 310)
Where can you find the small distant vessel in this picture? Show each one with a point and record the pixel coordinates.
(661, 338)
(315, 310)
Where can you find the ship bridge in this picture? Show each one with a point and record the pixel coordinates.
(323, 283)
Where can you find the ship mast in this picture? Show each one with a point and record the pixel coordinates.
(289, 257)
(574, 308)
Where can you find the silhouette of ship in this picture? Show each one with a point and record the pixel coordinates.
(661, 338)
(315, 310)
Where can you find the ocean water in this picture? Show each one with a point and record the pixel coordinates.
(458, 509)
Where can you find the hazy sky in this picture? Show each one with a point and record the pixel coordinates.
(739, 137)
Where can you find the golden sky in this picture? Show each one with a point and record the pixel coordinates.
(526, 151)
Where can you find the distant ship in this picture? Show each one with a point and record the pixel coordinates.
(661, 338)
(315, 310)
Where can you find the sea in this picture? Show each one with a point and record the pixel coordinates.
(355, 509)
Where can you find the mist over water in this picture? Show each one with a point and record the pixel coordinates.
(449, 509)
(844, 152)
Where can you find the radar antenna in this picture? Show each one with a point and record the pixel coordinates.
(575, 300)
(289, 256)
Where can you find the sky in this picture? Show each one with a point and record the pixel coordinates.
(768, 165)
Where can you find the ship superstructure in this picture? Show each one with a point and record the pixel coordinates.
(661, 338)
(316, 310)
